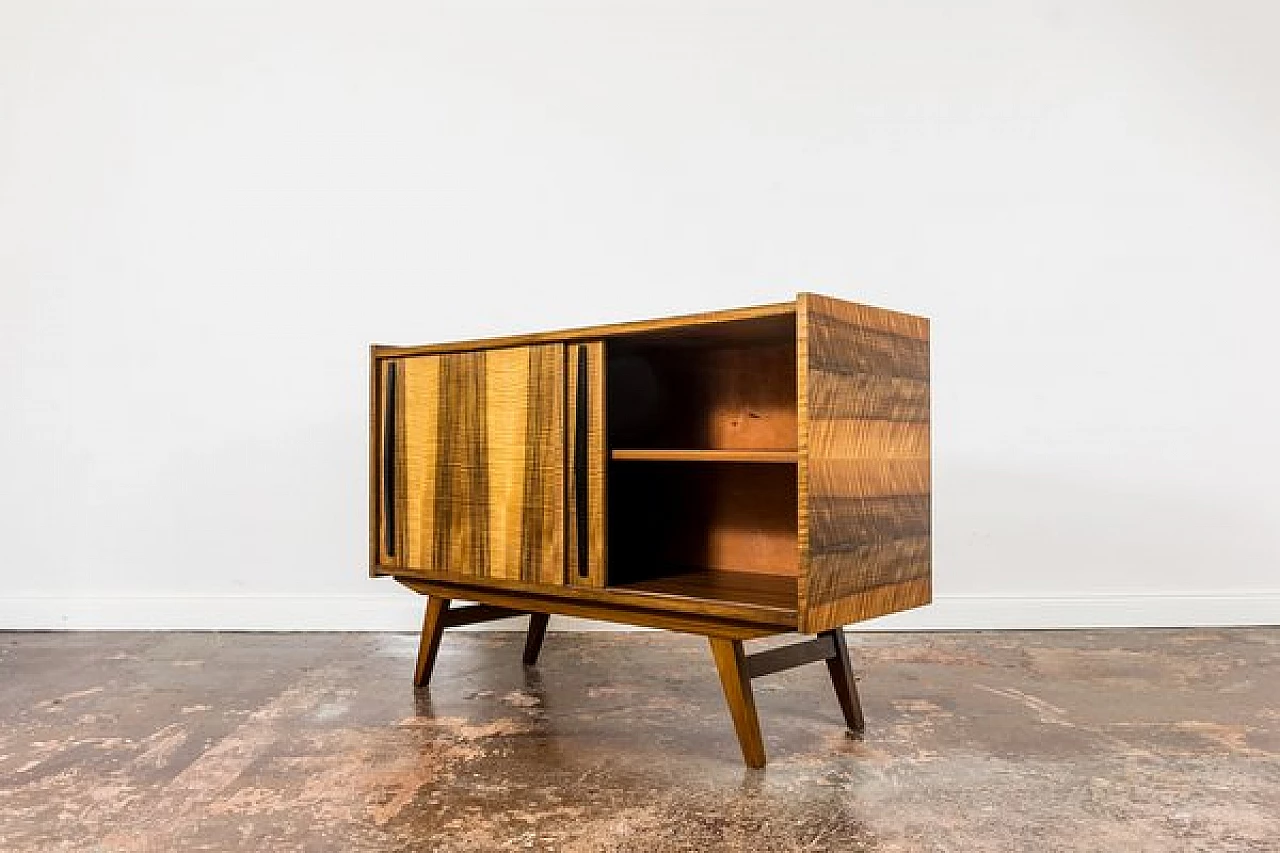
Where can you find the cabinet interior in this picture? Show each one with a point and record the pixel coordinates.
(726, 387)
(702, 432)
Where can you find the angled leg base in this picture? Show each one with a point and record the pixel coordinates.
(533, 640)
(439, 616)
(736, 681)
(433, 625)
(738, 668)
(841, 671)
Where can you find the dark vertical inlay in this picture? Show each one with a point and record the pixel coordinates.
(389, 461)
(566, 458)
(580, 480)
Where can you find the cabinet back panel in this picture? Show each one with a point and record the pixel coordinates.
(670, 516)
(702, 395)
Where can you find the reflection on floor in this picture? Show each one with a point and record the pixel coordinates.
(1097, 740)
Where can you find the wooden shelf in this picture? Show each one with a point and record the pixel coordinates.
(775, 592)
(704, 455)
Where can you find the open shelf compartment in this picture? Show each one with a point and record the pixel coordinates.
(702, 427)
(727, 387)
(722, 531)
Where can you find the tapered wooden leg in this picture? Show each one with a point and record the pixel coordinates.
(731, 662)
(533, 640)
(842, 679)
(432, 630)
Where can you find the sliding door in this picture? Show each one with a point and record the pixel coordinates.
(470, 466)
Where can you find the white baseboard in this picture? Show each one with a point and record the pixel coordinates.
(402, 611)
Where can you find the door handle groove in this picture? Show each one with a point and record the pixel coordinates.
(389, 460)
(581, 485)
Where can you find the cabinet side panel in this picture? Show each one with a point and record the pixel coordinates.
(375, 474)
(391, 460)
(866, 549)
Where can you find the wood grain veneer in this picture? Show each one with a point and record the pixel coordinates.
(864, 533)
(593, 504)
(477, 473)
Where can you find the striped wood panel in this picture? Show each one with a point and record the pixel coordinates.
(864, 462)
(596, 462)
(477, 440)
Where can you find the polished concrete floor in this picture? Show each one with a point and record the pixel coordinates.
(1037, 741)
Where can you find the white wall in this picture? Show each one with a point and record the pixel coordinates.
(209, 209)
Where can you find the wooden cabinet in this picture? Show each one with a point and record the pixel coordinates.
(734, 474)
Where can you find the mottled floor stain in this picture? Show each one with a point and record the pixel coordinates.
(1046, 741)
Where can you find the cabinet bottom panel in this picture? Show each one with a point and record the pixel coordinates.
(766, 601)
(751, 588)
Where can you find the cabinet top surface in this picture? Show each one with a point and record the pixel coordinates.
(779, 312)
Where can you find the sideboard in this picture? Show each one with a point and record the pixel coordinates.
(735, 474)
